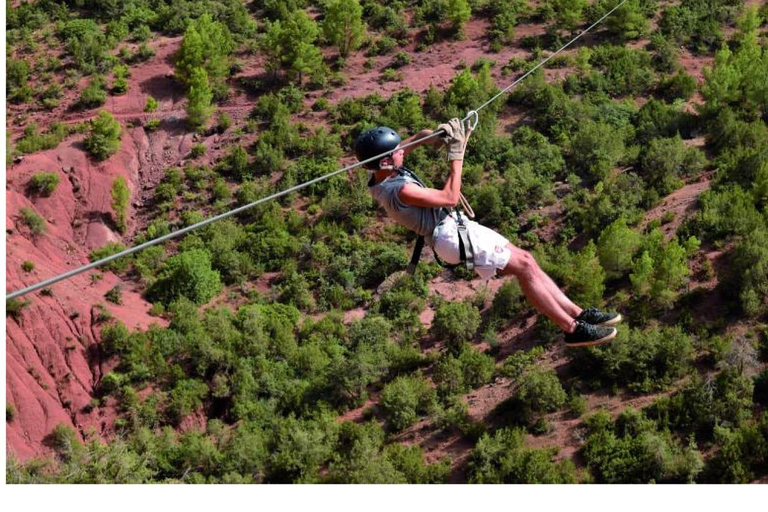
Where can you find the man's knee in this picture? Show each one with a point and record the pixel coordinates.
(521, 263)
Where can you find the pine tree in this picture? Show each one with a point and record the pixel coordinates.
(616, 247)
(207, 44)
(300, 55)
(458, 12)
(121, 197)
(289, 45)
(199, 98)
(104, 139)
(343, 25)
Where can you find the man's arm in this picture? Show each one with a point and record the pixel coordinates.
(414, 195)
(423, 133)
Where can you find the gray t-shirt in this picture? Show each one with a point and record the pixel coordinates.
(416, 218)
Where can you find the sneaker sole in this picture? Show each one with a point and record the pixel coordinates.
(601, 341)
(612, 321)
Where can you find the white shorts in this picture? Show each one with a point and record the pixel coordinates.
(491, 251)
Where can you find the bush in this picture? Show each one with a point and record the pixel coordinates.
(152, 124)
(749, 272)
(43, 183)
(104, 138)
(662, 268)
(678, 86)
(199, 99)
(33, 221)
(617, 247)
(115, 295)
(596, 148)
(665, 161)
(742, 453)
(120, 83)
(13, 307)
(504, 459)
(404, 399)
(10, 412)
(633, 451)
(119, 265)
(151, 104)
(224, 122)
(28, 266)
(197, 150)
(642, 360)
(539, 391)
(121, 197)
(456, 323)
(189, 275)
(95, 94)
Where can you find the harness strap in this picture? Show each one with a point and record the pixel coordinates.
(466, 251)
(416, 255)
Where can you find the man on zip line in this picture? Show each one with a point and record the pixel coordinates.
(426, 211)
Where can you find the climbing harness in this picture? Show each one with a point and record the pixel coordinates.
(471, 116)
(466, 250)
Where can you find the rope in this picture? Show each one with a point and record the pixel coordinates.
(471, 118)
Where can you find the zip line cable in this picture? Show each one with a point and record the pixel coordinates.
(472, 117)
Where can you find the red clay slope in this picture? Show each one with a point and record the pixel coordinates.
(51, 359)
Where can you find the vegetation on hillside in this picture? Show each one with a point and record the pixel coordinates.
(579, 182)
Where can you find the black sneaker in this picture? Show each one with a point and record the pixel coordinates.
(588, 335)
(596, 317)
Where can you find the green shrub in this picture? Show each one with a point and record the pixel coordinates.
(120, 83)
(151, 104)
(197, 150)
(642, 360)
(504, 459)
(520, 361)
(33, 221)
(343, 25)
(456, 323)
(665, 161)
(121, 196)
(509, 301)
(224, 122)
(477, 368)
(152, 124)
(539, 391)
(702, 404)
(104, 138)
(632, 450)
(43, 183)
(13, 307)
(189, 275)
(404, 399)
(199, 98)
(662, 267)
(10, 412)
(617, 247)
(115, 295)
(749, 272)
(742, 453)
(34, 141)
(119, 265)
(678, 86)
(185, 398)
(28, 266)
(95, 94)
(596, 148)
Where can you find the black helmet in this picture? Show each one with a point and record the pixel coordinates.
(375, 142)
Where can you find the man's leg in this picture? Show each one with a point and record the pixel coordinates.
(565, 303)
(537, 287)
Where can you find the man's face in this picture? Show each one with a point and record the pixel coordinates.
(397, 158)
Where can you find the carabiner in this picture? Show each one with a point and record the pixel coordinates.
(472, 119)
